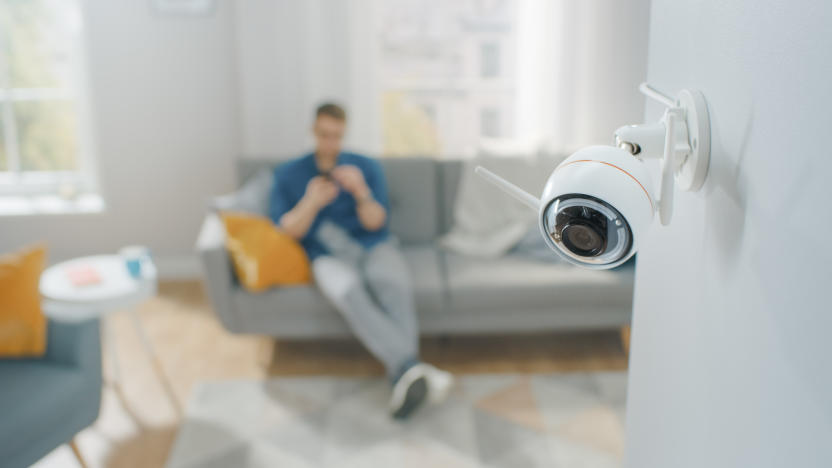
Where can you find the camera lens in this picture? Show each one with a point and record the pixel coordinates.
(583, 230)
(584, 239)
(586, 230)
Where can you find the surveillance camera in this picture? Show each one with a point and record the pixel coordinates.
(599, 202)
(596, 205)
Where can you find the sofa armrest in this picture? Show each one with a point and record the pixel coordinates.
(217, 270)
(75, 344)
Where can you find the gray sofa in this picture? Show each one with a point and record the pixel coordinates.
(44, 402)
(454, 294)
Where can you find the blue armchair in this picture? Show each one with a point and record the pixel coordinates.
(44, 402)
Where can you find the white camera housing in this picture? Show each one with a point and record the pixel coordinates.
(609, 181)
(599, 202)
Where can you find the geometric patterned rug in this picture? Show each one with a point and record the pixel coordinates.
(500, 420)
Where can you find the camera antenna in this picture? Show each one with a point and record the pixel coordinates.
(656, 95)
(519, 194)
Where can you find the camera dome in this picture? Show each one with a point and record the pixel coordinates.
(595, 207)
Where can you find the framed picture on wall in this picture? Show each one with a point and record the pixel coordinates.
(183, 7)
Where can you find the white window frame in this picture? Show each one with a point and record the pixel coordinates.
(490, 65)
(16, 182)
(459, 95)
(490, 116)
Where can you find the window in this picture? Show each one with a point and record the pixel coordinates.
(444, 82)
(489, 60)
(490, 122)
(42, 144)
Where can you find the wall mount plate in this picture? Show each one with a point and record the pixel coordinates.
(692, 173)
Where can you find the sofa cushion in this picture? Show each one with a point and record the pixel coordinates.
(426, 273)
(252, 197)
(263, 255)
(303, 311)
(516, 282)
(249, 167)
(268, 311)
(449, 175)
(22, 323)
(413, 189)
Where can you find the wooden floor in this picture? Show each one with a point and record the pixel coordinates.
(138, 424)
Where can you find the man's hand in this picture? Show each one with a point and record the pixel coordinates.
(370, 213)
(352, 180)
(320, 192)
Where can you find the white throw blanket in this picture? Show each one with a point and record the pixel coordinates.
(488, 222)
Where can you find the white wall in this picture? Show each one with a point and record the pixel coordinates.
(164, 103)
(732, 359)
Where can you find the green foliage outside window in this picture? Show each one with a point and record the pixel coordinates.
(36, 41)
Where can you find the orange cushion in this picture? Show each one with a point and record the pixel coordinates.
(22, 324)
(264, 256)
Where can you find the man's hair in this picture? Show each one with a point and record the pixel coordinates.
(332, 110)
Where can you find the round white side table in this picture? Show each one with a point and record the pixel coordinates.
(117, 291)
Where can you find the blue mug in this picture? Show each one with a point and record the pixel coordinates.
(134, 256)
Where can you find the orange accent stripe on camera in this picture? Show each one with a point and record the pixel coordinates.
(653, 208)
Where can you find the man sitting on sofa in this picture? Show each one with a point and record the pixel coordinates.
(336, 204)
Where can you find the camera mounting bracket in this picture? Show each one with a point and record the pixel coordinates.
(692, 173)
(681, 138)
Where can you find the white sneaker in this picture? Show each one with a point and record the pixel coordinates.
(440, 384)
(410, 392)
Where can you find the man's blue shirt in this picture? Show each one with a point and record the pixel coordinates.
(290, 180)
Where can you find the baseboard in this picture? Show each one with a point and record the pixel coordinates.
(178, 267)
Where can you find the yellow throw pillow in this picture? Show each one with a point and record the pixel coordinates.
(264, 256)
(22, 324)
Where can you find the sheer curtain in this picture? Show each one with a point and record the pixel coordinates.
(292, 55)
(581, 62)
(568, 71)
